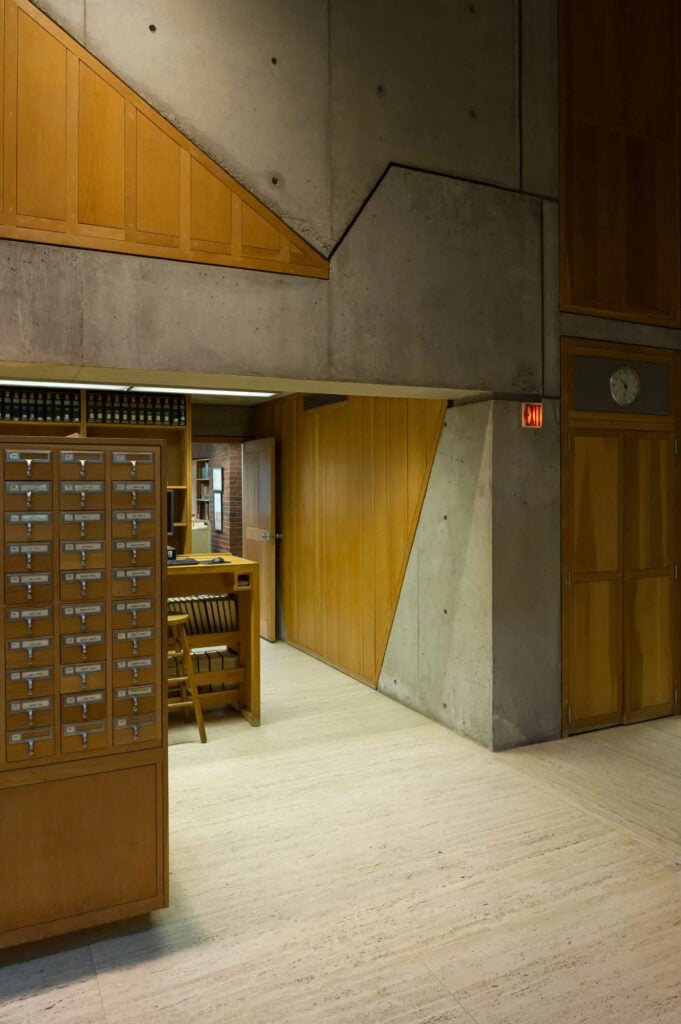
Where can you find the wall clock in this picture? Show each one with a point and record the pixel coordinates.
(625, 385)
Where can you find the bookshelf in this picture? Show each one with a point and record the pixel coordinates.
(201, 478)
(141, 416)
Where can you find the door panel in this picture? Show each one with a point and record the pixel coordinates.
(595, 500)
(650, 643)
(648, 466)
(650, 617)
(596, 670)
(259, 523)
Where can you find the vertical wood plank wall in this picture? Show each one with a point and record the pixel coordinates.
(352, 477)
(86, 162)
(620, 176)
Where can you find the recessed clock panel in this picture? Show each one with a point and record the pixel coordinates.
(620, 385)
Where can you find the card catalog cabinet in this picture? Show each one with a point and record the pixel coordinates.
(83, 739)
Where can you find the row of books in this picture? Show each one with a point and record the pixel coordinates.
(207, 659)
(208, 613)
(136, 407)
(38, 405)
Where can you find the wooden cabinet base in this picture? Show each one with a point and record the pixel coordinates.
(80, 845)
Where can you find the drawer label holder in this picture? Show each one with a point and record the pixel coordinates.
(83, 729)
(29, 676)
(134, 722)
(134, 693)
(83, 577)
(30, 738)
(83, 671)
(133, 575)
(83, 701)
(29, 457)
(133, 665)
(82, 640)
(29, 644)
(29, 707)
(82, 611)
(82, 458)
(29, 615)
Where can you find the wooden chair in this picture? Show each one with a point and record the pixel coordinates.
(182, 689)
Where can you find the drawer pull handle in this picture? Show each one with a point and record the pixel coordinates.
(83, 679)
(135, 674)
(83, 587)
(134, 645)
(29, 499)
(83, 463)
(30, 655)
(82, 527)
(30, 747)
(133, 495)
(83, 621)
(29, 687)
(83, 648)
(84, 710)
(134, 584)
(29, 559)
(83, 559)
(29, 624)
(29, 529)
(134, 616)
(135, 703)
(29, 591)
(83, 496)
(28, 466)
(84, 737)
(134, 556)
(135, 730)
(133, 467)
(30, 716)
(134, 527)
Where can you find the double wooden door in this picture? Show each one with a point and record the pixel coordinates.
(620, 561)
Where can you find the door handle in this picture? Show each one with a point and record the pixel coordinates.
(270, 536)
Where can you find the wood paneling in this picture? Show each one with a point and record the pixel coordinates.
(101, 137)
(650, 648)
(649, 462)
(40, 124)
(352, 477)
(88, 163)
(596, 693)
(620, 176)
(89, 819)
(259, 542)
(157, 194)
(595, 503)
(620, 538)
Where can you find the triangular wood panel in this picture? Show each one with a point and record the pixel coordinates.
(87, 163)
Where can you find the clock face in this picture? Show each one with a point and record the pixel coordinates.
(625, 385)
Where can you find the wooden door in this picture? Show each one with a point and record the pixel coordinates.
(594, 558)
(259, 523)
(650, 589)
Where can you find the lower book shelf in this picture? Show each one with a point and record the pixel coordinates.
(82, 844)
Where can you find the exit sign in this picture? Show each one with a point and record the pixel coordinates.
(532, 414)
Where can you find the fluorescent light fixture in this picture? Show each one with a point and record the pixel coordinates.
(205, 391)
(79, 386)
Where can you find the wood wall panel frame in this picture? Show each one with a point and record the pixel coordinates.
(625, 426)
(282, 250)
(665, 153)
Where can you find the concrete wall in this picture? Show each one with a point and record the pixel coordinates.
(475, 643)
(526, 557)
(439, 658)
(438, 284)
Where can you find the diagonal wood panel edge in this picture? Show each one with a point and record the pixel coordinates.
(86, 162)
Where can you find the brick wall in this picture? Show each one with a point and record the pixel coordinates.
(228, 457)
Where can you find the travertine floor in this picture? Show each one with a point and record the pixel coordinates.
(353, 863)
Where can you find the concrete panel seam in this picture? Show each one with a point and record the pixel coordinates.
(394, 165)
